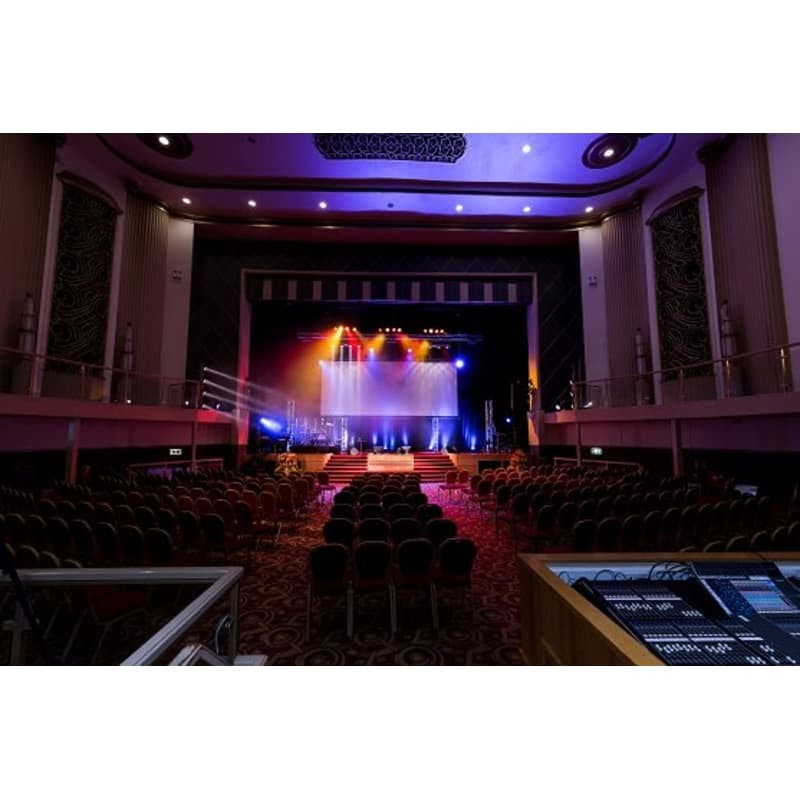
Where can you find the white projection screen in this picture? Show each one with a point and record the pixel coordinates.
(388, 389)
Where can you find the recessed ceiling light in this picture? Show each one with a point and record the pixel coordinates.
(527, 210)
(186, 200)
(459, 207)
(526, 148)
(251, 203)
(589, 209)
(608, 152)
(163, 140)
(323, 204)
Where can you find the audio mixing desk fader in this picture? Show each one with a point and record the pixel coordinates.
(743, 614)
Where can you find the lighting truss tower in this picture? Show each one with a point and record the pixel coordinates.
(488, 425)
(435, 433)
(291, 420)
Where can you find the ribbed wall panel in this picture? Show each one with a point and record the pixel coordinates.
(26, 177)
(141, 296)
(747, 271)
(626, 297)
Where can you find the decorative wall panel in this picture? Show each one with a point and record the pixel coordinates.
(442, 147)
(746, 254)
(626, 297)
(681, 287)
(82, 281)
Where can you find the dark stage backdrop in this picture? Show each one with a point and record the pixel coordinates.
(214, 323)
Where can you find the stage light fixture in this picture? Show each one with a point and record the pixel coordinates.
(186, 201)
(508, 420)
(321, 363)
(163, 140)
(459, 363)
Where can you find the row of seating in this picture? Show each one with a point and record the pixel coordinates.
(374, 566)
(346, 532)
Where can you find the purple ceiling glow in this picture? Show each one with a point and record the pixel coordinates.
(496, 179)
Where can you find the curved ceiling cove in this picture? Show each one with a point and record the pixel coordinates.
(513, 181)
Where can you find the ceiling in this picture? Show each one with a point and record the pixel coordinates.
(495, 182)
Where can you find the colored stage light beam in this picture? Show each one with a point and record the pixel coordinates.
(238, 381)
(271, 425)
(240, 397)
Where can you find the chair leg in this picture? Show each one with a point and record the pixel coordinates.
(350, 612)
(392, 610)
(106, 629)
(349, 623)
(434, 607)
(308, 613)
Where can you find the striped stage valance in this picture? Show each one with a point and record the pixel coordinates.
(322, 288)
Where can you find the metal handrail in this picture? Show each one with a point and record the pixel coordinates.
(176, 463)
(597, 462)
(87, 368)
(222, 579)
(680, 371)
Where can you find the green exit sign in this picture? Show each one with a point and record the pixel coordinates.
(595, 451)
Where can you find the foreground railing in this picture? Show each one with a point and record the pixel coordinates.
(758, 372)
(167, 468)
(224, 581)
(40, 375)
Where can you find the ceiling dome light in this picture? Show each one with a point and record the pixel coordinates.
(323, 205)
(251, 203)
(609, 149)
(526, 148)
(526, 210)
(589, 209)
(168, 145)
(186, 200)
(459, 207)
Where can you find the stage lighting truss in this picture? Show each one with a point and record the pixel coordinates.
(435, 340)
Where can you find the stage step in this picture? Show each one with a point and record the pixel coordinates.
(432, 466)
(343, 467)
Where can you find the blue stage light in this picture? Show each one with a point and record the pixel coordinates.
(459, 363)
(270, 425)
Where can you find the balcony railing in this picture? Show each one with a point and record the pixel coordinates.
(39, 375)
(224, 581)
(766, 371)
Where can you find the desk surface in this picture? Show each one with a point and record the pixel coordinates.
(560, 626)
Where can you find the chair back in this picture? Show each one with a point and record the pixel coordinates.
(339, 531)
(159, 547)
(371, 562)
(342, 511)
(145, 517)
(400, 510)
(327, 565)
(414, 558)
(609, 532)
(131, 543)
(456, 558)
(106, 543)
(373, 529)
(405, 528)
(439, 530)
(429, 511)
(583, 535)
(371, 511)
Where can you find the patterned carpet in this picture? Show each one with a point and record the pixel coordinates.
(272, 608)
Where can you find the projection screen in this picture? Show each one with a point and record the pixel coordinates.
(388, 389)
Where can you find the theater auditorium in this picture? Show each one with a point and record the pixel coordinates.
(399, 399)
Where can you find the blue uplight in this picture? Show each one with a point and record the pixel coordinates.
(271, 425)
(459, 363)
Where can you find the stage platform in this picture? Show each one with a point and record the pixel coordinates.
(431, 467)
